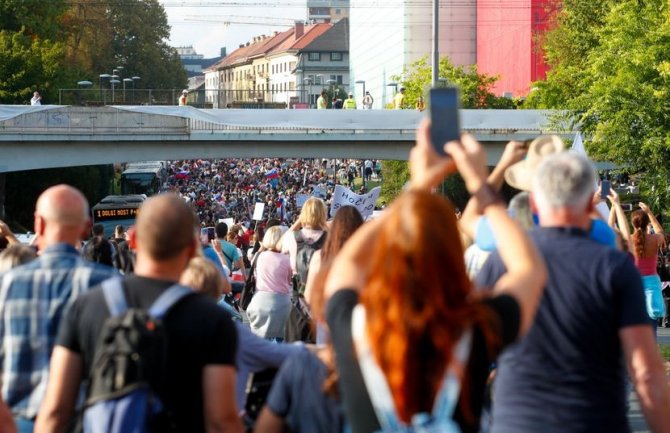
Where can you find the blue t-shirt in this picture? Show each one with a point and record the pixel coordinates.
(567, 374)
(230, 253)
(297, 396)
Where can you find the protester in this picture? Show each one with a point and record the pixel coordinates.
(15, 255)
(303, 396)
(368, 100)
(34, 296)
(399, 99)
(346, 221)
(269, 308)
(254, 354)
(36, 99)
(183, 99)
(422, 319)
(98, 249)
(6, 235)
(309, 232)
(198, 390)
(645, 246)
(592, 315)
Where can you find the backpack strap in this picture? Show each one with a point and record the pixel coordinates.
(112, 290)
(447, 397)
(373, 376)
(167, 300)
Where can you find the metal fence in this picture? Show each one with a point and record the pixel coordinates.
(197, 98)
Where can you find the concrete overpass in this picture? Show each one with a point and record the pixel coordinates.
(63, 136)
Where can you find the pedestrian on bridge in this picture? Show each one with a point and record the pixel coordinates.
(350, 102)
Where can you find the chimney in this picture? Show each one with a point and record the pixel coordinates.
(299, 29)
(223, 52)
(241, 45)
(247, 44)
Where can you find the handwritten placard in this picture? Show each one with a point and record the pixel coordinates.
(365, 203)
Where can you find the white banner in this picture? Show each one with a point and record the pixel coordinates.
(258, 211)
(229, 222)
(345, 197)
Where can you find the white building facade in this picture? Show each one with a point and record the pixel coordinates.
(385, 39)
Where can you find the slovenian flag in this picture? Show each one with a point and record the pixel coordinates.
(272, 174)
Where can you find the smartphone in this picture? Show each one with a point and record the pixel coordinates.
(605, 189)
(445, 124)
(627, 207)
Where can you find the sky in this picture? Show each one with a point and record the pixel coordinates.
(209, 25)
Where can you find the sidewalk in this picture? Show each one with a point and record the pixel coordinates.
(635, 417)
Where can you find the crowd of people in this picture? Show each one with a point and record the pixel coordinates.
(545, 327)
(229, 188)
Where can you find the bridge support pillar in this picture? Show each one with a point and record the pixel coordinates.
(3, 180)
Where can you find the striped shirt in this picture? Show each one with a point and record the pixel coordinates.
(32, 300)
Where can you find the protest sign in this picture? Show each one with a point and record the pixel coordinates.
(300, 200)
(229, 222)
(258, 211)
(365, 203)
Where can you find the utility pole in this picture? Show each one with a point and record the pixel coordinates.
(435, 60)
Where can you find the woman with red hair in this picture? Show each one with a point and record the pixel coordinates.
(413, 341)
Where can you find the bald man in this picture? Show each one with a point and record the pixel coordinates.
(199, 388)
(34, 296)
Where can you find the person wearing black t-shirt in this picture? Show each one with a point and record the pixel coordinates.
(199, 388)
(400, 282)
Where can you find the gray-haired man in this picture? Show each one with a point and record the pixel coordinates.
(568, 374)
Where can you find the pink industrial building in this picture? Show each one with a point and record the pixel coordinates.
(509, 34)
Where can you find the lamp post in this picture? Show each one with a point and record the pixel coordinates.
(308, 82)
(103, 96)
(363, 83)
(135, 79)
(125, 80)
(82, 85)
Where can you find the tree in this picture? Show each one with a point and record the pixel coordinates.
(616, 81)
(475, 92)
(29, 63)
(133, 34)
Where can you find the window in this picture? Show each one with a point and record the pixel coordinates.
(338, 11)
(336, 57)
(314, 57)
(336, 78)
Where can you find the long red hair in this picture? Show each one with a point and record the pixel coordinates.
(418, 299)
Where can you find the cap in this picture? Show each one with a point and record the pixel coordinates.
(184, 91)
(351, 94)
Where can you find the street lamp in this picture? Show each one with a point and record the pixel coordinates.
(135, 79)
(104, 98)
(308, 82)
(113, 82)
(126, 80)
(363, 83)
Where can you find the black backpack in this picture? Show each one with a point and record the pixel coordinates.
(304, 256)
(129, 365)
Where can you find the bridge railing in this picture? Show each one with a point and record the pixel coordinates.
(238, 98)
(102, 120)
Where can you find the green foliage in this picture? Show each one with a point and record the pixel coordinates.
(611, 65)
(475, 88)
(29, 63)
(395, 175)
(23, 188)
(475, 92)
(38, 18)
(139, 34)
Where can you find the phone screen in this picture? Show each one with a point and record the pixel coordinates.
(445, 125)
(604, 189)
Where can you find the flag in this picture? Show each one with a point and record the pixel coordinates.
(272, 174)
(578, 147)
